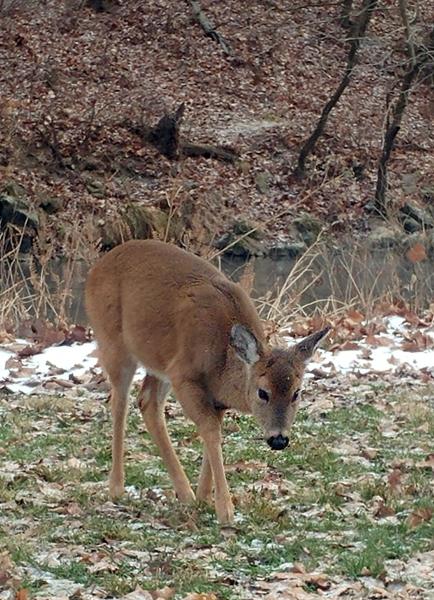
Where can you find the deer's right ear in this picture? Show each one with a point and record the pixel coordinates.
(245, 344)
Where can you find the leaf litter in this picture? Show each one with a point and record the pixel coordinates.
(360, 462)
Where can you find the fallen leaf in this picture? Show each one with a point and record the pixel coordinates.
(394, 480)
(298, 567)
(30, 351)
(6, 570)
(418, 516)
(416, 253)
(78, 333)
(427, 463)
(417, 341)
(320, 582)
(242, 465)
(138, 594)
(381, 510)
(199, 596)
(349, 346)
(163, 594)
(376, 340)
(354, 316)
(369, 453)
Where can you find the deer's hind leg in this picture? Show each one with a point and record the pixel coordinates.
(120, 367)
(151, 402)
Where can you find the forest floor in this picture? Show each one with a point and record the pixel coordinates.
(345, 512)
(73, 81)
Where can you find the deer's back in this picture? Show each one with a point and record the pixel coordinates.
(165, 304)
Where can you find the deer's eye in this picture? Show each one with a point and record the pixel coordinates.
(296, 396)
(263, 395)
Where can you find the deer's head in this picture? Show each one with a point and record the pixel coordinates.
(275, 381)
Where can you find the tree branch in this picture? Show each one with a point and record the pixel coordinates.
(408, 32)
(392, 128)
(208, 27)
(358, 33)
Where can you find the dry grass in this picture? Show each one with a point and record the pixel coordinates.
(37, 286)
(328, 282)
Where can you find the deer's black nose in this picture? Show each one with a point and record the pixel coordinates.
(278, 442)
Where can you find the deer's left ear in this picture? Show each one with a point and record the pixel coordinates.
(244, 343)
(308, 345)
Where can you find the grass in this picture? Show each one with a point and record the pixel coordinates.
(313, 504)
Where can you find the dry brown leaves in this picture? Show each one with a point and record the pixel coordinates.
(417, 341)
(416, 253)
(44, 334)
(291, 585)
(199, 596)
(418, 516)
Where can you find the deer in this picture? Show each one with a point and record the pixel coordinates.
(195, 331)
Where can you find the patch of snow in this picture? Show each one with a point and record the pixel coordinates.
(59, 367)
(63, 357)
(4, 357)
(395, 323)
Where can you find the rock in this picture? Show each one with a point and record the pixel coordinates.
(428, 194)
(252, 230)
(411, 225)
(263, 180)
(308, 227)
(139, 222)
(18, 223)
(287, 250)
(243, 248)
(189, 184)
(383, 237)
(51, 205)
(95, 187)
(14, 189)
(409, 182)
(418, 215)
(17, 211)
(430, 244)
(244, 166)
(241, 241)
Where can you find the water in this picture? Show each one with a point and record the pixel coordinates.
(325, 279)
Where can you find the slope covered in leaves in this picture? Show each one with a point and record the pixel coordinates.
(72, 80)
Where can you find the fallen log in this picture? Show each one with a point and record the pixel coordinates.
(165, 136)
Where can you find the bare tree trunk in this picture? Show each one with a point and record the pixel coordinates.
(357, 35)
(345, 17)
(392, 129)
(408, 33)
(165, 135)
(208, 27)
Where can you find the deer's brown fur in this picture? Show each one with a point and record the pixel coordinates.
(197, 332)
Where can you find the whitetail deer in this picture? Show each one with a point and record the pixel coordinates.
(197, 332)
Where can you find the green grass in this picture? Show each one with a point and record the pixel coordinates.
(314, 504)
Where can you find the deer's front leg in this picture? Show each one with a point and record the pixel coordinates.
(205, 483)
(213, 445)
(197, 407)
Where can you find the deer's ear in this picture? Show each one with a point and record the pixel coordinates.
(245, 344)
(309, 344)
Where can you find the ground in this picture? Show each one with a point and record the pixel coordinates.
(345, 512)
